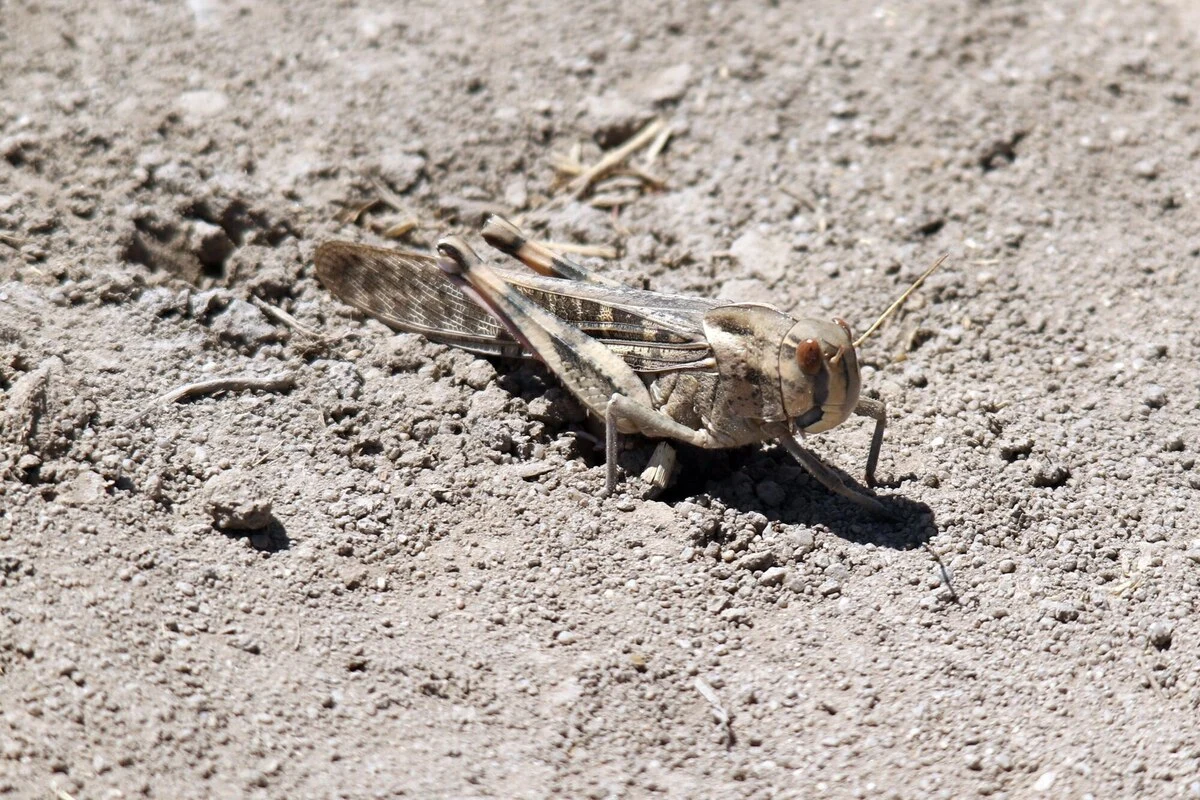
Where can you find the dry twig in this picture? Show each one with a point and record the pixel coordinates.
(571, 169)
(272, 383)
(660, 467)
(804, 200)
(657, 146)
(384, 195)
(351, 215)
(388, 197)
(566, 166)
(280, 315)
(945, 573)
(603, 201)
(400, 229)
(596, 250)
(719, 713)
(1153, 681)
(612, 159)
(643, 175)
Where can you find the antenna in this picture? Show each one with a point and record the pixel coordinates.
(899, 301)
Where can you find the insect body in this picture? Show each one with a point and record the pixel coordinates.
(701, 371)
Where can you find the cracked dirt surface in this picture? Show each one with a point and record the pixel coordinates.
(441, 605)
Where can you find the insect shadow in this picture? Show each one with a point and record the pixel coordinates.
(740, 478)
(769, 482)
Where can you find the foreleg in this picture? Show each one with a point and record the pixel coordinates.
(876, 410)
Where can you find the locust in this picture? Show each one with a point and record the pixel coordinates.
(706, 372)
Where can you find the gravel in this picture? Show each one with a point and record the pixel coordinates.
(433, 598)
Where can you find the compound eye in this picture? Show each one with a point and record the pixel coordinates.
(808, 356)
(841, 323)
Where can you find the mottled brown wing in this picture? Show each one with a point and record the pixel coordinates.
(407, 291)
(652, 332)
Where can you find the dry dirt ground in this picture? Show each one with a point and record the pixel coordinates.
(440, 604)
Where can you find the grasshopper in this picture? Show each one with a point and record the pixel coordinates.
(708, 373)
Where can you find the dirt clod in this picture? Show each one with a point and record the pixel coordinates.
(235, 501)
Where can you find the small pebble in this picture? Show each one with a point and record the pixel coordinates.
(1062, 612)
(86, 489)
(915, 376)
(1160, 634)
(516, 193)
(615, 118)
(1154, 396)
(202, 104)
(401, 169)
(754, 562)
(1044, 783)
(1146, 169)
(773, 576)
(666, 86)
(802, 542)
(1013, 449)
(1045, 475)
(479, 374)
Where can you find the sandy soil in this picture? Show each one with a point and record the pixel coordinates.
(440, 605)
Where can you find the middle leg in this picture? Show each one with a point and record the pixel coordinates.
(647, 421)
